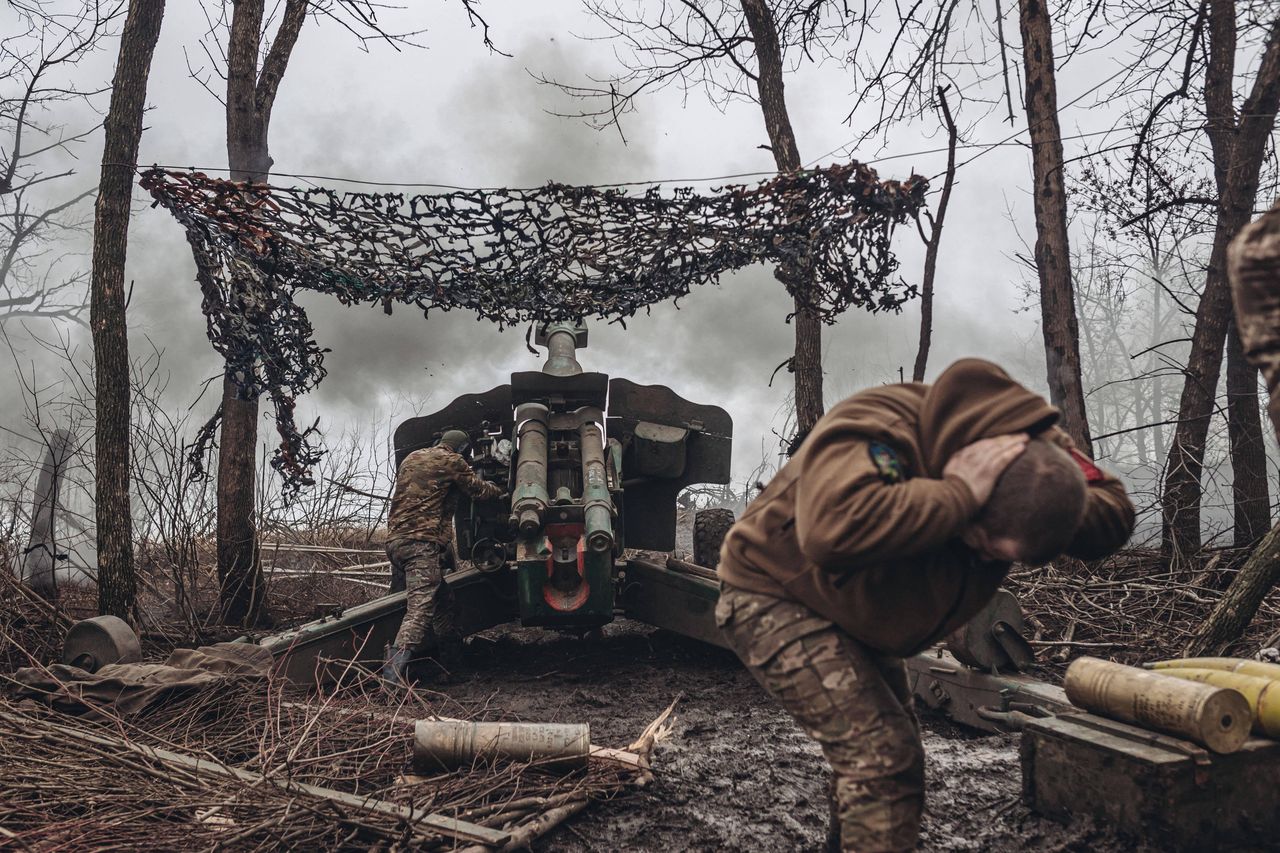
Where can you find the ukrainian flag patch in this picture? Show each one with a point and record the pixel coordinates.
(887, 463)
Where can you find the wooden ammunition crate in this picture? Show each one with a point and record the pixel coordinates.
(1167, 792)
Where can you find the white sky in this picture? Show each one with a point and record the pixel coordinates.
(456, 114)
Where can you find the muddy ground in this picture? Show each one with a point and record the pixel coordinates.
(736, 774)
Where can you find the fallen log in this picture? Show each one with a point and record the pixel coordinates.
(1239, 604)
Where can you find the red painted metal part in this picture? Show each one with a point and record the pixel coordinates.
(567, 601)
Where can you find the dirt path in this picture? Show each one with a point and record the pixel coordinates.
(737, 774)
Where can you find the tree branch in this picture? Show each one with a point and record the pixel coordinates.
(273, 67)
(1165, 205)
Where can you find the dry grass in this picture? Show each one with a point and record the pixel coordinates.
(1130, 607)
(93, 783)
(31, 629)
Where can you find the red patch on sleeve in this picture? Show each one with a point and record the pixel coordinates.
(1092, 473)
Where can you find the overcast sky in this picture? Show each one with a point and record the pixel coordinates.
(455, 113)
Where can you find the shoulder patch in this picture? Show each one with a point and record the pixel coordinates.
(887, 463)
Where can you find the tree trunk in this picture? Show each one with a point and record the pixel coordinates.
(40, 560)
(807, 362)
(1254, 269)
(1053, 258)
(1181, 498)
(1250, 496)
(250, 97)
(117, 585)
(239, 567)
(1238, 150)
(1157, 381)
(1238, 605)
(932, 243)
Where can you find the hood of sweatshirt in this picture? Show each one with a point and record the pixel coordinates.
(972, 400)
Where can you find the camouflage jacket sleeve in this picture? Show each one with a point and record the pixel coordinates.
(466, 479)
(1253, 264)
(1108, 512)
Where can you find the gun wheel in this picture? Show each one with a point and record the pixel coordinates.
(709, 529)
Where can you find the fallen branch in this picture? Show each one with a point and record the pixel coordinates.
(1237, 607)
(178, 762)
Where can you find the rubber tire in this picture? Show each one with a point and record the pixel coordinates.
(709, 529)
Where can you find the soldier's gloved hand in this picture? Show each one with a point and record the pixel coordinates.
(980, 464)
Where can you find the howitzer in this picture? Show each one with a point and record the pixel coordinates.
(593, 466)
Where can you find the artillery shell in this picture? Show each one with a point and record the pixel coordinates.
(449, 744)
(1262, 694)
(1240, 665)
(1215, 717)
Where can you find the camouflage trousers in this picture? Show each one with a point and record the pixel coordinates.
(428, 616)
(852, 700)
(1253, 262)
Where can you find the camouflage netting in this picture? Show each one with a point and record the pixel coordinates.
(553, 253)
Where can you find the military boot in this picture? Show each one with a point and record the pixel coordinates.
(395, 671)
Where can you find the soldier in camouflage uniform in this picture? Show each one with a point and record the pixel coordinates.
(892, 525)
(1253, 262)
(419, 532)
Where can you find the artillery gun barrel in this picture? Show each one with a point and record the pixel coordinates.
(562, 348)
(530, 497)
(596, 499)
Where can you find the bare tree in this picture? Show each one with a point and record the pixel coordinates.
(40, 561)
(963, 45)
(807, 361)
(1238, 140)
(730, 49)
(116, 580)
(250, 96)
(253, 65)
(926, 47)
(1251, 495)
(1136, 280)
(933, 240)
(39, 203)
(1049, 198)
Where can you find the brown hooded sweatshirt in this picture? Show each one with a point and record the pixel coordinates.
(861, 526)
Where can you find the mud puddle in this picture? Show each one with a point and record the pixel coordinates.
(736, 774)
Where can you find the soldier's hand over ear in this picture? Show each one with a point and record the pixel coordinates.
(980, 464)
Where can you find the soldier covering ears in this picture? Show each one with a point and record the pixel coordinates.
(890, 527)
